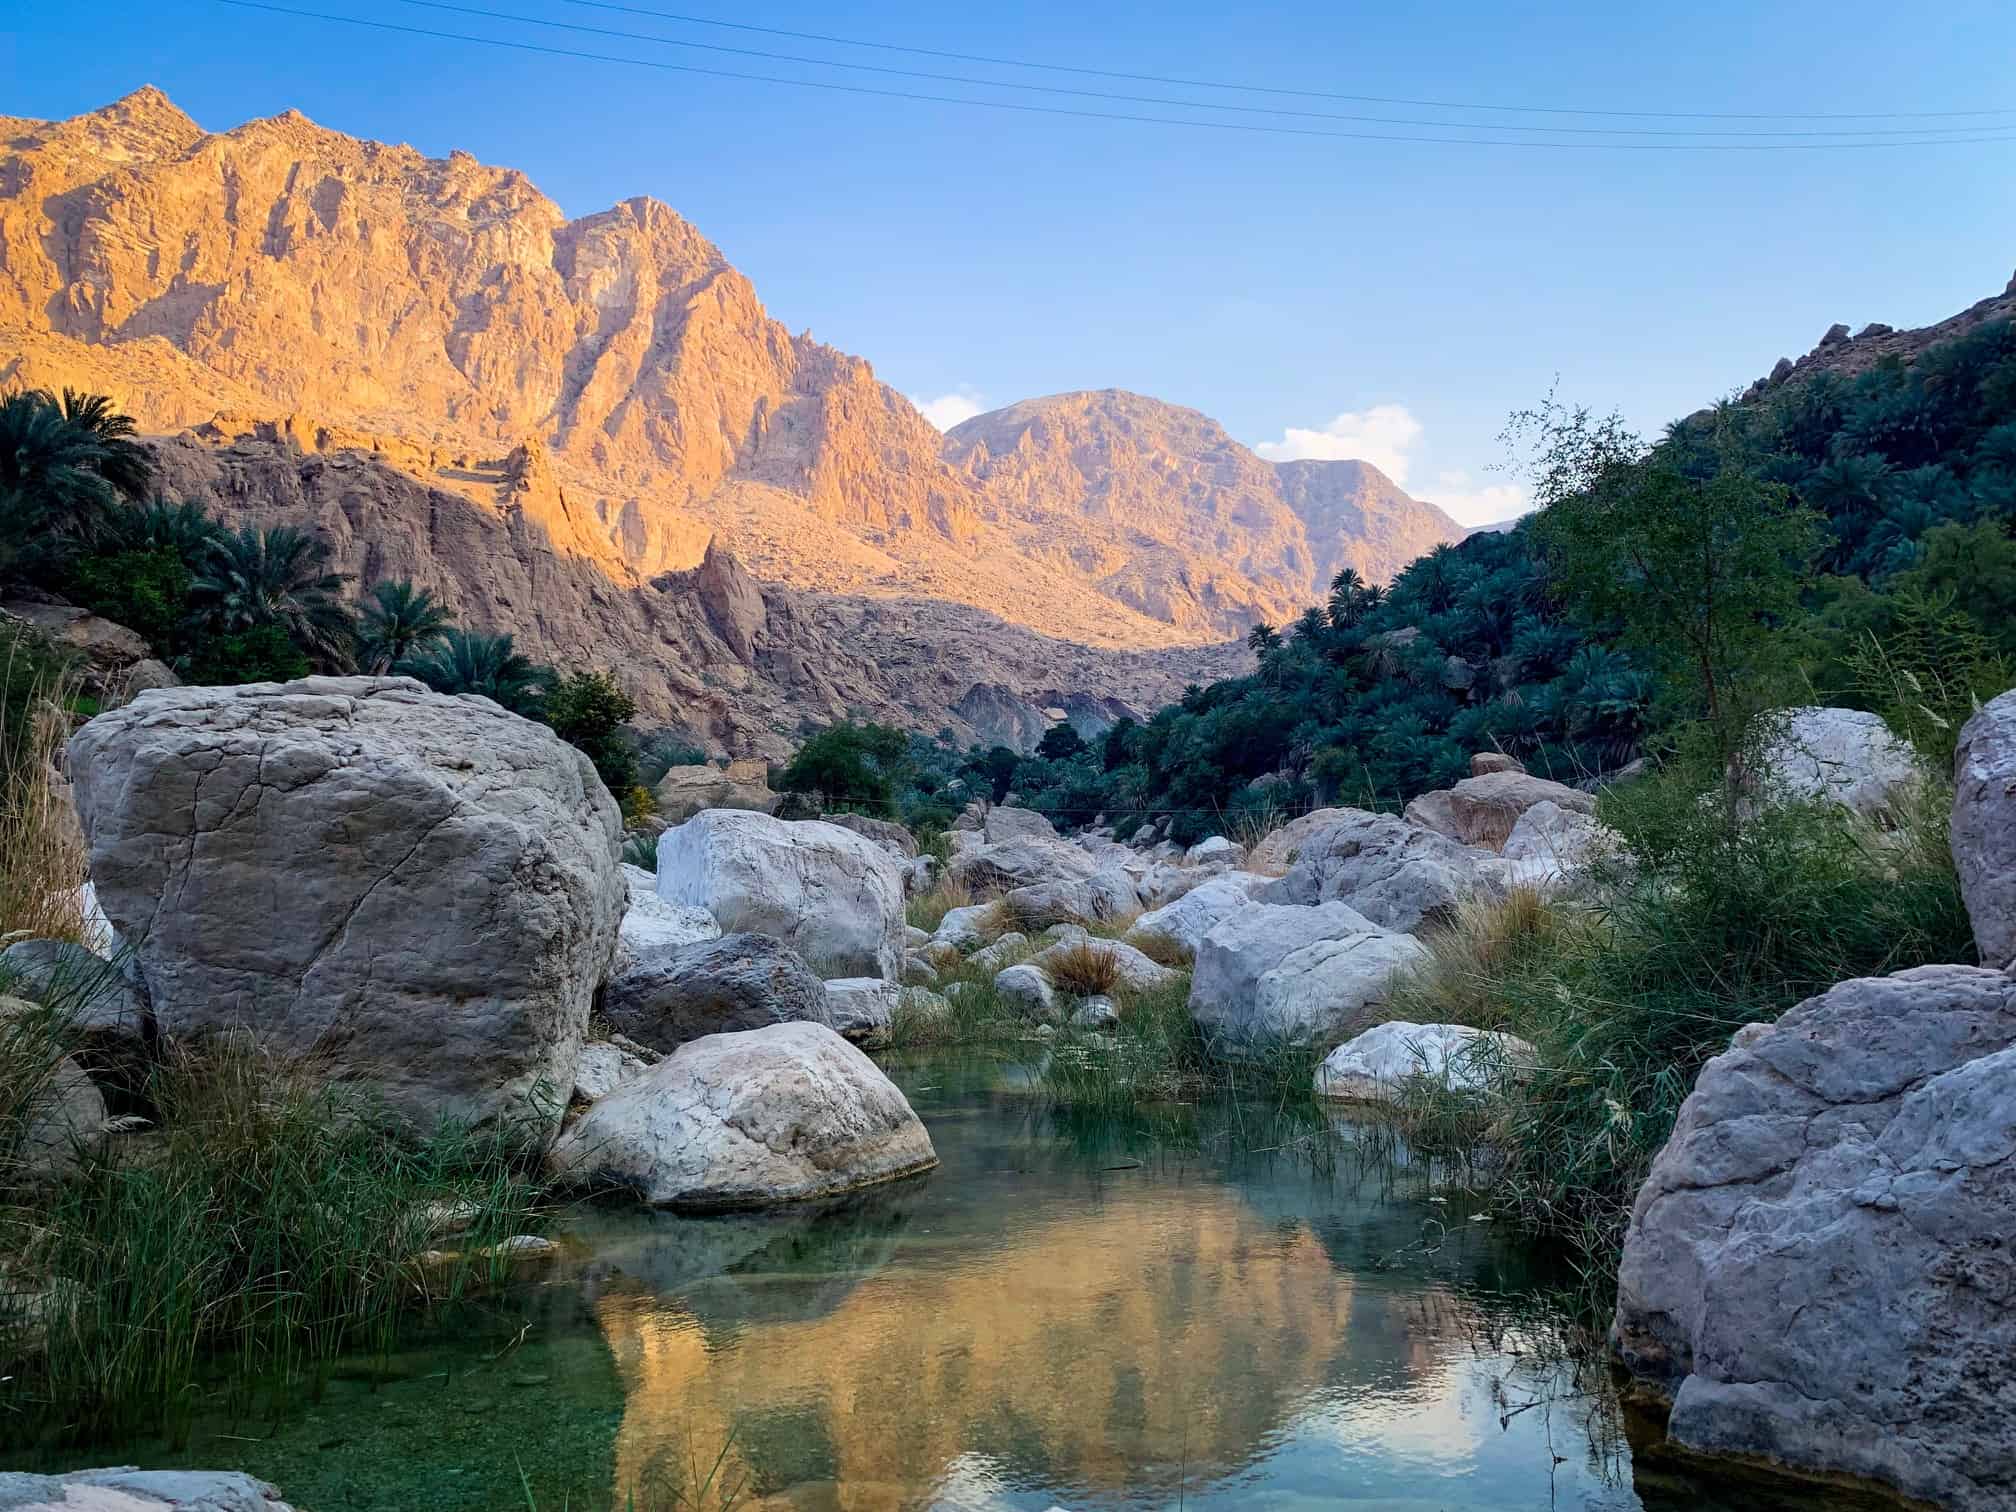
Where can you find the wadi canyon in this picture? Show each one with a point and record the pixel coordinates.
(590, 433)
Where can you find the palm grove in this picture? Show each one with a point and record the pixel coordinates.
(79, 519)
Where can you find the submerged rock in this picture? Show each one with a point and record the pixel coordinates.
(125, 1489)
(831, 895)
(1818, 1270)
(745, 1120)
(421, 891)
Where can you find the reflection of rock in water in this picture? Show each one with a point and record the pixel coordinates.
(1085, 1351)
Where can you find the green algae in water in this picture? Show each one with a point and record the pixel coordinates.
(1210, 1307)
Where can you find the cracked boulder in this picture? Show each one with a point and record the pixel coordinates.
(775, 1115)
(833, 896)
(668, 996)
(422, 892)
(1818, 1272)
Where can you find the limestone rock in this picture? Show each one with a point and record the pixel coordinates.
(1817, 1271)
(921, 876)
(422, 891)
(1215, 850)
(1843, 756)
(1005, 950)
(832, 896)
(1432, 811)
(1375, 1065)
(1272, 972)
(1027, 990)
(602, 1067)
(1486, 808)
(1021, 861)
(65, 1120)
(739, 981)
(860, 1008)
(1101, 898)
(108, 650)
(126, 1489)
(650, 924)
(968, 928)
(1185, 922)
(1484, 763)
(1984, 827)
(775, 1115)
(686, 790)
(1133, 971)
(1398, 875)
(1005, 823)
(1551, 844)
(93, 993)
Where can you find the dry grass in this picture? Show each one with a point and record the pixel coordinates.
(42, 860)
(1162, 950)
(1471, 955)
(1083, 970)
(927, 911)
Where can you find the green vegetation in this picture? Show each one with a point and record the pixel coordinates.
(851, 768)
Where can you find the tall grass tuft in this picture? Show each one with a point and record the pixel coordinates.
(42, 860)
(268, 1225)
(927, 911)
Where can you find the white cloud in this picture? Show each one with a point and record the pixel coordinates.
(1470, 505)
(1383, 435)
(947, 410)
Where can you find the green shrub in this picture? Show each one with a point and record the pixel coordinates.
(145, 590)
(261, 654)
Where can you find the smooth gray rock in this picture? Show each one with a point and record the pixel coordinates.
(832, 896)
(1027, 990)
(650, 924)
(1818, 1269)
(1550, 846)
(739, 981)
(1003, 952)
(1020, 861)
(65, 1117)
(968, 928)
(602, 1067)
(888, 834)
(1101, 898)
(1396, 874)
(1215, 850)
(421, 891)
(772, 1115)
(1273, 973)
(1006, 823)
(1844, 756)
(1376, 1065)
(1485, 809)
(127, 1489)
(861, 1008)
(1984, 826)
(1185, 922)
(920, 876)
(95, 994)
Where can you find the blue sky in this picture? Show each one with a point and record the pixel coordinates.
(1276, 282)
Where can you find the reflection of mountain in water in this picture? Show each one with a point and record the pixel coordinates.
(1114, 1333)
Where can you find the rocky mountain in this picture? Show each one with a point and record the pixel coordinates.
(1168, 514)
(429, 344)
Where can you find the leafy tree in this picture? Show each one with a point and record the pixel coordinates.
(468, 661)
(146, 590)
(1060, 743)
(399, 621)
(278, 578)
(263, 653)
(850, 766)
(588, 711)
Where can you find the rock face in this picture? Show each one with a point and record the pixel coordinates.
(1854, 1162)
(685, 790)
(422, 891)
(739, 981)
(1271, 972)
(128, 1490)
(1375, 1065)
(832, 896)
(1984, 827)
(650, 924)
(745, 1120)
(1398, 875)
(1844, 756)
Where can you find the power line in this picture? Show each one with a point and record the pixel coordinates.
(1314, 94)
(1134, 99)
(2001, 133)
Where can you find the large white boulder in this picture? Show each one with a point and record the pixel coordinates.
(745, 1120)
(1551, 845)
(831, 895)
(1020, 861)
(1818, 1270)
(1844, 756)
(1301, 974)
(125, 1489)
(736, 981)
(1396, 874)
(1377, 1065)
(652, 924)
(1101, 898)
(421, 891)
(1485, 809)
(1984, 827)
(1185, 922)
(1004, 822)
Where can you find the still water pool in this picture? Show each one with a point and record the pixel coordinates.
(1211, 1309)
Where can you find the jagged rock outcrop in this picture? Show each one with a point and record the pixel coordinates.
(1358, 517)
(422, 892)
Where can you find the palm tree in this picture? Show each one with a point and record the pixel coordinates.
(186, 529)
(123, 462)
(51, 489)
(278, 577)
(467, 661)
(399, 622)
(1344, 591)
